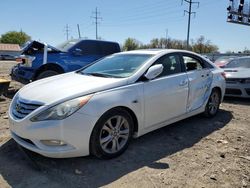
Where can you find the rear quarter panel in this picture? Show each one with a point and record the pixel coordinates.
(219, 81)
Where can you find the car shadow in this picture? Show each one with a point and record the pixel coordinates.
(237, 100)
(18, 170)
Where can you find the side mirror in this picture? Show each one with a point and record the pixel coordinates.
(154, 71)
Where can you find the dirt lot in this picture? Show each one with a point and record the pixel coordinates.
(196, 152)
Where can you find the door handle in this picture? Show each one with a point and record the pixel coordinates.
(183, 83)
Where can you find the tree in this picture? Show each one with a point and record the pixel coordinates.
(131, 44)
(201, 45)
(14, 37)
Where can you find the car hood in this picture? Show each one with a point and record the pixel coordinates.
(237, 72)
(66, 86)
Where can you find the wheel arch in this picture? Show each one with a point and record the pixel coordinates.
(131, 113)
(220, 91)
(49, 66)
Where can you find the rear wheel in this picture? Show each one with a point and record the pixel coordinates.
(111, 134)
(213, 103)
(46, 74)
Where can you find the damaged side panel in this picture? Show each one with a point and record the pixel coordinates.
(36, 47)
(200, 82)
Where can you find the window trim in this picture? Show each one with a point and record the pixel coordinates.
(205, 65)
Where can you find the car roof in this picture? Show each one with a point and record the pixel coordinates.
(156, 51)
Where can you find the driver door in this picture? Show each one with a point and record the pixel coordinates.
(166, 96)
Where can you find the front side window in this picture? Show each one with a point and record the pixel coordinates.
(192, 63)
(170, 63)
(119, 65)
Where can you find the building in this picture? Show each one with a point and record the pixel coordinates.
(9, 49)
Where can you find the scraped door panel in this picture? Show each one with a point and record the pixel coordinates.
(200, 82)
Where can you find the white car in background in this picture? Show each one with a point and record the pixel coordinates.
(237, 73)
(98, 109)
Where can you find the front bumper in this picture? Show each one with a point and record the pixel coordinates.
(74, 131)
(21, 74)
(238, 90)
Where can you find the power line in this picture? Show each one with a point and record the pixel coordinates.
(97, 18)
(189, 12)
(163, 10)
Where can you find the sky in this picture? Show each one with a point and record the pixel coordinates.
(143, 20)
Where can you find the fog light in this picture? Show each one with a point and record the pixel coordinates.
(53, 142)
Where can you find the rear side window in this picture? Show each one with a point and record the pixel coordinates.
(109, 48)
(171, 64)
(192, 62)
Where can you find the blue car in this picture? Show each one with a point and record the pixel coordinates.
(39, 60)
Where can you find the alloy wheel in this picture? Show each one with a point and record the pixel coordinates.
(214, 102)
(114, 134)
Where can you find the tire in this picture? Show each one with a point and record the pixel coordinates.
(46, 74)
(111, 134)
(213, 103)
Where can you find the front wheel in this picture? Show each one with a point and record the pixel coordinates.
(46, 74)
(111, 134)
(213, 104)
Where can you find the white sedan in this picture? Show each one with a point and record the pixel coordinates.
(98, 109)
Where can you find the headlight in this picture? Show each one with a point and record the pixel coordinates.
(63, 110)
(26, 61)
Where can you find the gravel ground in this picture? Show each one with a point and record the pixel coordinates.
(196, 152)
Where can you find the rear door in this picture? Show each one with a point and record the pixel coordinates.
(200, 80)
(166, 96)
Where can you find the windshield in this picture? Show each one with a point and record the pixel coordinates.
(64, 47)
(118, 66)
(237, 63)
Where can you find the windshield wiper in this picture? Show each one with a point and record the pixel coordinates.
(98, 74)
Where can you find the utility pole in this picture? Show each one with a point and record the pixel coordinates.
(79, 33)
(189, 12)
(67, 30)
(97, 18)
(166, 38)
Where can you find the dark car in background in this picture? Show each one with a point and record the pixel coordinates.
(237, 73)
(39, 60)
(7, 57)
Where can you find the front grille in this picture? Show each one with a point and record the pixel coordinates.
(233, 92)
(22, 109)
(235, 80)
(248, 91)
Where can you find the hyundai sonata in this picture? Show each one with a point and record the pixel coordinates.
(98, 109)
